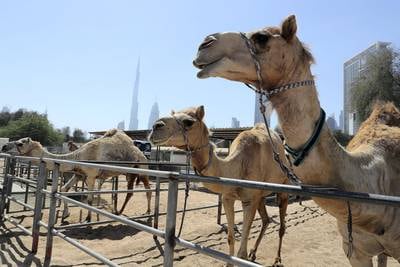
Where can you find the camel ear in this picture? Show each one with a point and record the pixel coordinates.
(289, 28)
(200, 112)
(29, 140)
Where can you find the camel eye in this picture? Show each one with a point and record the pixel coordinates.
(188, 123)
(260, 38)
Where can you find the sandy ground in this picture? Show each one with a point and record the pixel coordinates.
(311, 238)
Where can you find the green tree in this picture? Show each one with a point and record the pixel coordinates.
(33, 125)
(66, 132)
(79, 136)
(5, 116)
(380, 80)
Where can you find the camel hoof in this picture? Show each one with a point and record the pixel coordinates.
(277, 263)
(252, 255)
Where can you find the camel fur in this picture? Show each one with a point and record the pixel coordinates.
(374, 164)
(246, 160)
(114, 145)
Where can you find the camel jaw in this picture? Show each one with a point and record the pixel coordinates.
(207, 69)
(159, 142)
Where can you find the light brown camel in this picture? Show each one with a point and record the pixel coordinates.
(246, 160)
(114, 145)
(374, 166)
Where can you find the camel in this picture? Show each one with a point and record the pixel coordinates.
(246, 160)
(283, 72)
(114, 145)
(72, 146)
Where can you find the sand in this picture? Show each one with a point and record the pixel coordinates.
(311, 238)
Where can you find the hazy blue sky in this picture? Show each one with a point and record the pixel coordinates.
(77, 59)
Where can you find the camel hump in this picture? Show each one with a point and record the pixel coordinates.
(110, 133)
(259, 126)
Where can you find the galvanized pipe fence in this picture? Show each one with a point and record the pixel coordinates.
(173, 179)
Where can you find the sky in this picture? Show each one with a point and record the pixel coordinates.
(77, 59)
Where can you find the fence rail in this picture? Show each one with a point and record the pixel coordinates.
(173, 178)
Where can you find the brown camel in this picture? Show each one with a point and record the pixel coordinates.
(374, 166)
(72, 146)
(114, 145)
(246, 160)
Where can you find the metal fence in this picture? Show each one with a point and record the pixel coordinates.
(173, 178)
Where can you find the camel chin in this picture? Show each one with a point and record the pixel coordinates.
(213, 69)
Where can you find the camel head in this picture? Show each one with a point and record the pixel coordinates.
(171, 130)
(385, 113)
(23, 146)
(278, 50)
(9, 148)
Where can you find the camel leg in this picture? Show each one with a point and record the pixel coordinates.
(358, 258)
(382, 260)
(90, 181)
(265, 222)
(283, 201)
(249, 211)
(131, 181)
(65, 188)
(145, 180)
(228, 204)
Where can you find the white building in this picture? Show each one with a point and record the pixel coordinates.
(351, 72)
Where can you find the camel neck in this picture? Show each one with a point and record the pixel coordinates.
(202, 159)
(40, 152)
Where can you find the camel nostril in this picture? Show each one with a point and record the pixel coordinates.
(207, 42)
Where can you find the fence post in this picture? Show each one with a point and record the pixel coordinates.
(41, 180)
(157, 203)
(27, 184)
(170, 223)
(4, 189)
(157, 214)
(219, 211)
(10, 176)
(52, 213)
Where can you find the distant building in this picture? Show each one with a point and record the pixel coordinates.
(133, 123)
(341, 122)
(351, 72)
(331, 122)
(235, 123)
(121, 125)
(258, 118)
(154, 115)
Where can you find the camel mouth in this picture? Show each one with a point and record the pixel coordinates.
(205, 67)
(159, 142)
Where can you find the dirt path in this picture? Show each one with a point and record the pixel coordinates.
(311, 238)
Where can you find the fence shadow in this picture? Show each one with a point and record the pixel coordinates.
(13, 252)
(111, 232)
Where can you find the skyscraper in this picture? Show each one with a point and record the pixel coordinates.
(257, 114)
(235, 123)
(121, 125)
(154, 115)
(133, 123)
(351, 73)
(341, 118)
(331, 122)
